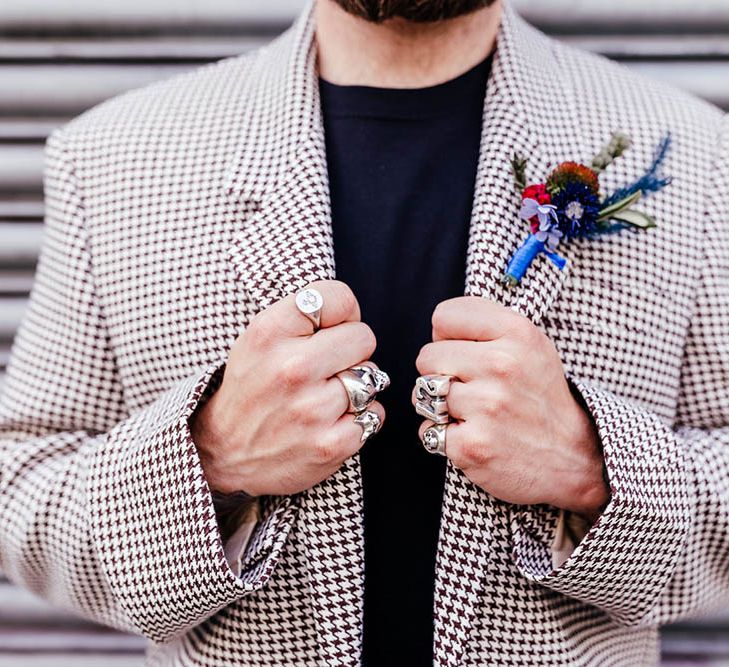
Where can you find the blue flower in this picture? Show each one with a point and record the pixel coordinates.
(577, 209)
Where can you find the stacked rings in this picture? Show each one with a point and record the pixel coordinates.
(431, 396)
(362, 384)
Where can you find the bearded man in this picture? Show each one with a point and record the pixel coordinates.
(190, 388)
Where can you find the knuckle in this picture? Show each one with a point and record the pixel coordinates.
(325, 451)
(234, 371)
(547, 344)
(503, 365)
(524, 330)
(293, 371)
(305, 412)
(533, 336)
(258, 333)
(497, 402)
(473, 452)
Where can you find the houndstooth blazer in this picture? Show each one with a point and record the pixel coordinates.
(176, 212)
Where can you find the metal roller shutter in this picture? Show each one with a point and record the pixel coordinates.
(57, 59)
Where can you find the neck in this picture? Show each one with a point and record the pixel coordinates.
(398, 53)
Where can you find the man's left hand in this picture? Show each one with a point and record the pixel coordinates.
(519, 433)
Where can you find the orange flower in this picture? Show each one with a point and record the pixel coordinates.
(572, 172)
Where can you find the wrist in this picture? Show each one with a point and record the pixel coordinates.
(587, 490)
(594, 498)
(209, 440)
(204, 429)
(204, 422)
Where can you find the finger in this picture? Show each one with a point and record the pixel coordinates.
(335, 400)
(338, 347)
(461, 358)
(466, 399)
(324, 403)
(284, 320)
(348, 433)
(469, 360)
(472, 318)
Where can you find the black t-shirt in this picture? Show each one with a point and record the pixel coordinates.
(402, 167)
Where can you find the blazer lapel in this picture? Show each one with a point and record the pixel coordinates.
(280, 174)
(287, 242)
(278, 178)
(527, 111)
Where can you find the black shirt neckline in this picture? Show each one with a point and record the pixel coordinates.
(406, 103)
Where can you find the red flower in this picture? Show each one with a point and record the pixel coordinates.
(538, 192)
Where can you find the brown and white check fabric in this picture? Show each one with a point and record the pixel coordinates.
(177, 211)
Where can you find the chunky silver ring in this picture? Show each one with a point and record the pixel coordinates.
(436, 410)
(370, 423)
(362, 384)
(434, 439)
(431, 393)
(310, 302)
(435, 386)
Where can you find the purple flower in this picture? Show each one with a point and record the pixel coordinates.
(548, 233)
(545, 212)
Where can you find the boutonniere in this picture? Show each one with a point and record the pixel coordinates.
(569, 204)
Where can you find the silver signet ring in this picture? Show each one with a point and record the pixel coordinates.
(310, 302)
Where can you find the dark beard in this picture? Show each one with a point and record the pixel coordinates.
(419, 11)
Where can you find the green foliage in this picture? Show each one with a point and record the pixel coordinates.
(618, 144)
(635, 219)
(623, 204)
(518, 167)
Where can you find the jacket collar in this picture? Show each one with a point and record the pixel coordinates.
(280, 173)
(283, 111)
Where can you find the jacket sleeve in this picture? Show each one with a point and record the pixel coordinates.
(105, 511)
(660, 550)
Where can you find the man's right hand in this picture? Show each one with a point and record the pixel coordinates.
(278, 425)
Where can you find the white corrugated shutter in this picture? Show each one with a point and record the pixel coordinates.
(59, 58)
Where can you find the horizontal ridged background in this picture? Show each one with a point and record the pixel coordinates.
(59, 58)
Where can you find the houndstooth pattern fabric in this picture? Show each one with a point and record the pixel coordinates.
(178, 211)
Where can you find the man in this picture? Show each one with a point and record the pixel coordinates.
(181, 435)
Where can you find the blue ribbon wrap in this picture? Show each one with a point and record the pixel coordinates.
(526, 254)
